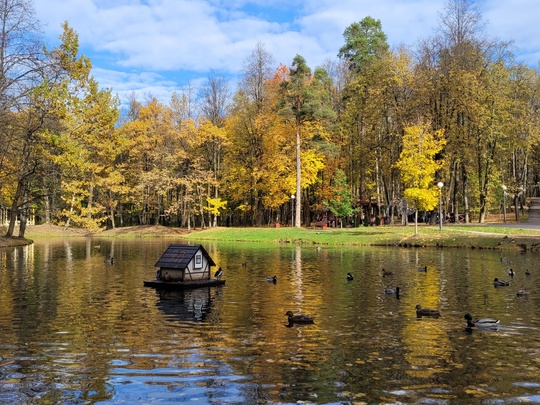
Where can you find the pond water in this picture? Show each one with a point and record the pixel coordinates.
(76, 330)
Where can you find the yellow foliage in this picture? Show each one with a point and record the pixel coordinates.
(215, 205)
(423, 199)
(416, 162)
(418, 166)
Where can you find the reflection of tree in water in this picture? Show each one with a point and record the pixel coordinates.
(427, 346)
(186, 305)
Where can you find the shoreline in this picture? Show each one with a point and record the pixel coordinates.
(471, 236)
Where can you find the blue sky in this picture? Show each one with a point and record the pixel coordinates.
(155, 47)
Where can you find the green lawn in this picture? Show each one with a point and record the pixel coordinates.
(470, 236)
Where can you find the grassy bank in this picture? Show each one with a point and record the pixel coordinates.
(452, 236)
(484, 237)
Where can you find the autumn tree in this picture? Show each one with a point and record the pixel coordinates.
(463, 87)
(376, 107)
(215, 94)
(85, 144)
(303, 99)
(21, 70)
(418, 166)
(340, 204)
(249, 131)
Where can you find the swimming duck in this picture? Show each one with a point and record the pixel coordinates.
(350, 277)
(392, 291)
(109, 261)
(386, 273)
(420, 312)
(511, 273)
(218, 273)
(423, 269)
(481, 323)
(527, 272)
(500, 283)
(298, 318)
(272, 279)
(523, 292)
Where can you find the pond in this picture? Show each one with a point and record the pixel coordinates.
(77, 330)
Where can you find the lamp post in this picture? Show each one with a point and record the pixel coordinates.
(440, 184)
(292, 210)
(504, 203)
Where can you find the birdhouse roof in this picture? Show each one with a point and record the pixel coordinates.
(179, 256)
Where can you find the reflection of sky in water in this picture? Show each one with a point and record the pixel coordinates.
(75, 329)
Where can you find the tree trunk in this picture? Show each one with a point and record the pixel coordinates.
(47, 209)
(70, 212)
(298, 217)
(90, 201)
(113, 224)
(464, 181)
(482, 217)
(12, 220)
(22, 224)
(15, 208)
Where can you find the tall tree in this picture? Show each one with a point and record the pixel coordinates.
(21, 70)
(418, 167)
(303, 99)
(364, 42)
(214, 105)
(85, 145)
(340, 205)
(249, 128)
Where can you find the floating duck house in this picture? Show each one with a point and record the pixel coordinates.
(184, 263)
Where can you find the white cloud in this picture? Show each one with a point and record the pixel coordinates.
(150, 44)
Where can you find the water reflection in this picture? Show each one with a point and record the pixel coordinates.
(188, 304)
(76, 330)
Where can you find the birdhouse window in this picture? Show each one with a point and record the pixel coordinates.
(198, 261)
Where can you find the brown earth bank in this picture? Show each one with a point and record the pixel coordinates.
(49, 230)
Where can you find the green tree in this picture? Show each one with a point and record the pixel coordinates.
(364, 41)
(340, 205)
(306, 101)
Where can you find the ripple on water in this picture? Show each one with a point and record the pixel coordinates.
(110, 340)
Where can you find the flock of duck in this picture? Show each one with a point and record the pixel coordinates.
(421, 311)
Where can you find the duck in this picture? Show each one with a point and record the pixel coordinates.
(527, 272)
(420, 312)
(386, 273)
(423, 269)
(218, 273)
(272, 279)
(350, 277)
(481, 323)
(511, 273)
(523, 292)
(244, 264)
(500, 283)
(298, 318)
(109, 261)
(392, 291)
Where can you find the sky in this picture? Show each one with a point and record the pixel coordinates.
(156, 47)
